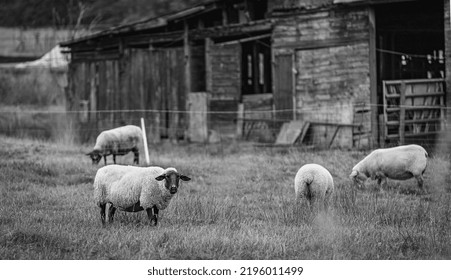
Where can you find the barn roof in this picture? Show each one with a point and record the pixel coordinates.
(154, 25)
(150, 23)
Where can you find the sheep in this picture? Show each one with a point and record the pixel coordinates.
(117, 141)
(314, 183)
(133, 189)
(398, 163)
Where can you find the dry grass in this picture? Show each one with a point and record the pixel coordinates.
(239, 205)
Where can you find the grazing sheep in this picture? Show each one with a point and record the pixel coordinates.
(117, 141)
(133, 189)
(398, 163)
(314, 183)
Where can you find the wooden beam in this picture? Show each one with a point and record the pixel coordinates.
(187, 54)
(318, 44)
(230, 30)
(373, 77)
(208, 69)
(244, 40)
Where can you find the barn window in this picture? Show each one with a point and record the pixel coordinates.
(256, 67)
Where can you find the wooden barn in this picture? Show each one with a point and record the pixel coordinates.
(347, 73)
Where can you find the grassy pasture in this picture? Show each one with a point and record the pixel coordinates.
(239, 205)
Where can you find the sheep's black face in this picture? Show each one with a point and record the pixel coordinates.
(95, 157)
(358, 178)
(172, 180)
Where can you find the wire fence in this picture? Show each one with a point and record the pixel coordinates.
(84, 126)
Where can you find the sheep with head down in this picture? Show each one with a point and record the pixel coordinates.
(117, 141)
(133, 189)
(398, 163)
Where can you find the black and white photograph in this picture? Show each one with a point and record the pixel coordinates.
(261, 135)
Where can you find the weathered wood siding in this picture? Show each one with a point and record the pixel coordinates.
(225, 71)
(293, 4)
(225, 87)
(142, 83)
(332, 63)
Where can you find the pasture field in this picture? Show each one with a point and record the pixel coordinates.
(239, 205)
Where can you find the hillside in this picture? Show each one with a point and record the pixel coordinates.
(63, 13)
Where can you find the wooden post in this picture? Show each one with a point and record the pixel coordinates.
(146, 149)
(239, 122)
(208, 77)
(382, 133)
(373, 76)
(198, 106)
(293, 82)
(187, 54)
(402, 113)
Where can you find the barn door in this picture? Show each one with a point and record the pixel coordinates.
(168, 87)
(283, 86)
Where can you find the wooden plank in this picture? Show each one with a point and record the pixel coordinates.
(373, 75)
(290, 132)
(187, 57)
(239, 123)
(208, 66)
(319, 44)
(198, 107)
(93, 93)
(283, 86)
(416, 121)
(402, 114)
(414, 81)
(154, 98)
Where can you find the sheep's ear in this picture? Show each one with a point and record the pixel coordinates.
(185, 178)
(160, 178)
(89, 154)
(354, 174)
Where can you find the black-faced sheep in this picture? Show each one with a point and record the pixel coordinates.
(117, 141)
(133, 189)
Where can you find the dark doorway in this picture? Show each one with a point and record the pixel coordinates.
(410, 40)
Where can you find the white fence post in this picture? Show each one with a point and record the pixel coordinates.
(146, 149)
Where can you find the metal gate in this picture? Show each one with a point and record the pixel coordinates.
(413, 109)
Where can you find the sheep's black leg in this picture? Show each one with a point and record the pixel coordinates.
(111, 211)
(104, 159)
(152, 213)
(136, 158)
(102, 213)
(114, 158)
(379, 181)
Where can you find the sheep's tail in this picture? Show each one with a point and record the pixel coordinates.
(308, 190)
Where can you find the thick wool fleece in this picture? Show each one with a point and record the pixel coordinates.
(123, 186)
(314, 183)
(399, 163)
(118, 140)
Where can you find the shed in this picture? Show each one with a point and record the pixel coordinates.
(359, 72)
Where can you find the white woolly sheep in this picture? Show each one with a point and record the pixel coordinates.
(117, 141)
(133, 189)
(315, 184)
(398, 163)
